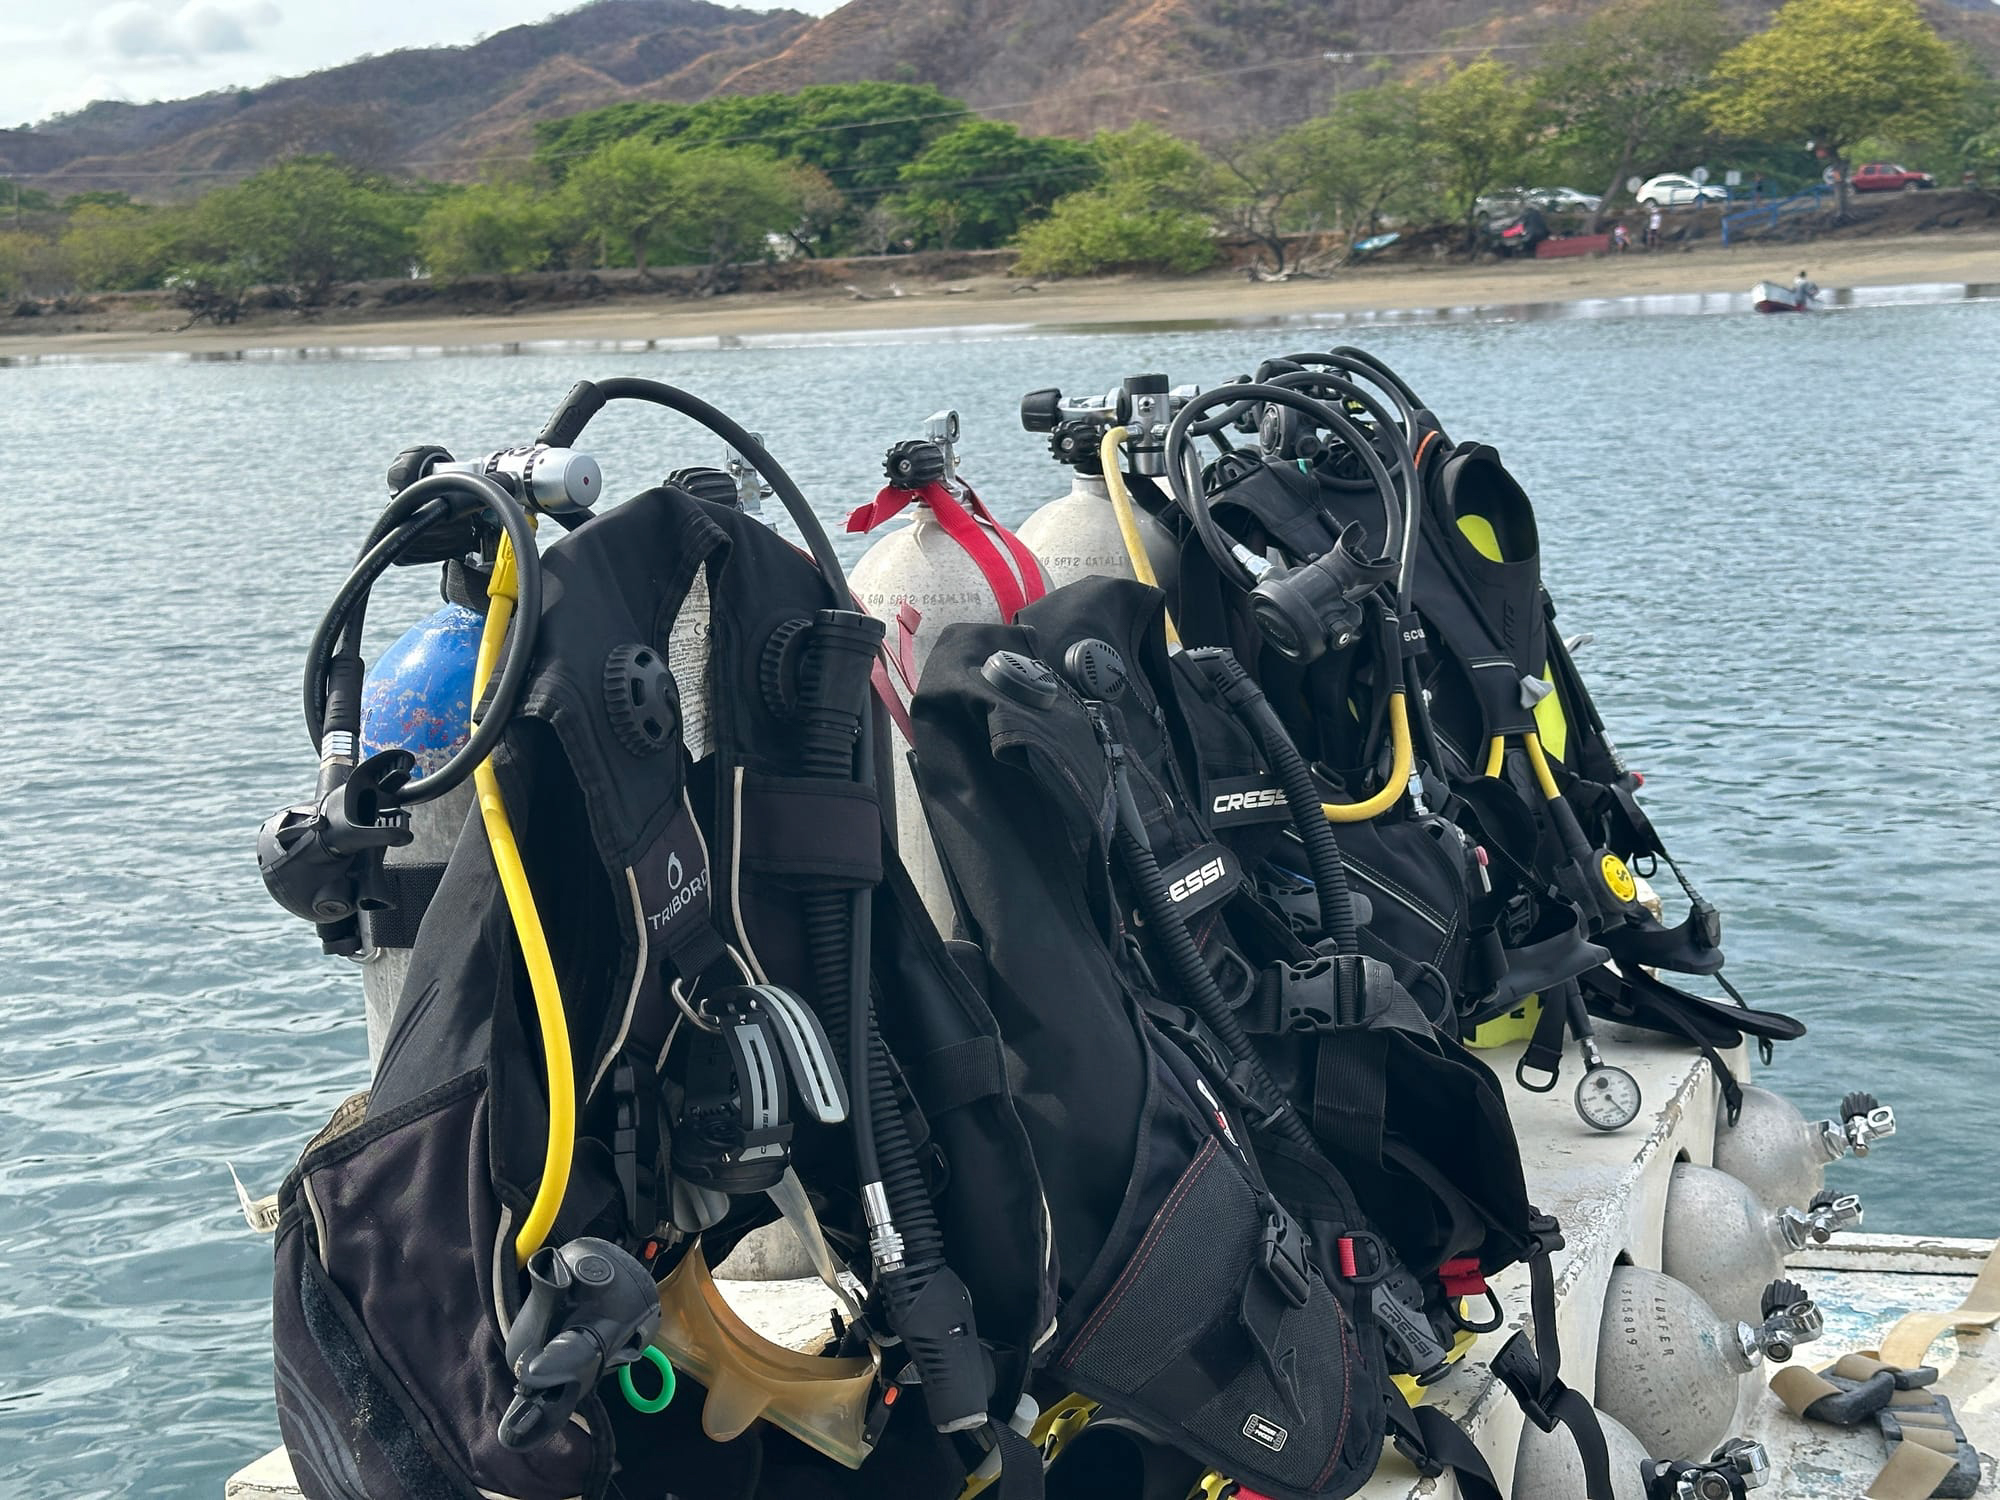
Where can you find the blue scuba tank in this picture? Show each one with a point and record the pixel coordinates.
(418, 697)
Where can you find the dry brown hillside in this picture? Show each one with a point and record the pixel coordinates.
(1203, 67)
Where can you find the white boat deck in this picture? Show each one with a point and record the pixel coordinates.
(1610, 1192)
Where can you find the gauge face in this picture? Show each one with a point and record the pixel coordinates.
(1608, 1098)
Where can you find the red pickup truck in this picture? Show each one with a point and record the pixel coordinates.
(1887, 177)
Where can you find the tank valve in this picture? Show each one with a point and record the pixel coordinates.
(751, 486)
(1863, 1121)
(1737, 1467)
(1790, 1318)
(1827, 1214)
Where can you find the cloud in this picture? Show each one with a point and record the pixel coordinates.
(134, 30)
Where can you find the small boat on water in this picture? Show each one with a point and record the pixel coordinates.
(1772, 297)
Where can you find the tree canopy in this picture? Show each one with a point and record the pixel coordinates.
(1625, 86)
(975, 185)
(1477, 122)
(1838, 72)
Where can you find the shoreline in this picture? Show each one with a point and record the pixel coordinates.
(1950, 266)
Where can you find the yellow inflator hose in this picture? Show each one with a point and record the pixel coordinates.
(501, 593)
(1538, 761)
(1128, 520)
(1402, 756)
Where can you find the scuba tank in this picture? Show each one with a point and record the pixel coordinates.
(1782, 1158)
(416, 697)
(1728, 1247)
(1672, 1371)
(1546, 1466)
(953, 562)
(1080, 534)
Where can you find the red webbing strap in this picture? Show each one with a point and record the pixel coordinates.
(972, 540)
(1025, 562)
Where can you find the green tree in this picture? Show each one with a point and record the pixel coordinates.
(22, 259)
(501, 229)
(1368, 153)
(304, 224)
(1477, 123)
(626, 190)
(119, 247)
(1839, 72)
(1625, 86)
(975, 185)
(711, 206)
(1152, 211)
(728, 204)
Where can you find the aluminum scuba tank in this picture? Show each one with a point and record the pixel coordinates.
(1728, 1247)
(918, 579)
(418, 697)
(1546, 1466)
(1672, 1371)
(1781, 1157)
(1077, 536)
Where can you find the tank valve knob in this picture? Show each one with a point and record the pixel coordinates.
(1827, 1214)
(712, 485)
(913, 464)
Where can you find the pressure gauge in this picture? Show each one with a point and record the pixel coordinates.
(1608, 1098)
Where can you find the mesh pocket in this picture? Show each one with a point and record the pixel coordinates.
(1253, 1369)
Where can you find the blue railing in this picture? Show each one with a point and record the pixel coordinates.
(1768, 214)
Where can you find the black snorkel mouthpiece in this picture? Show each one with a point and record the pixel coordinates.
(1307, 610)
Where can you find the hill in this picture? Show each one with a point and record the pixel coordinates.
(1202, 67)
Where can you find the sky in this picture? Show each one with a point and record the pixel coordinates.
(57, 57)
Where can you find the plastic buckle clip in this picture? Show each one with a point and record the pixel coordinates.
(1284, 1257)
(1519, 1369)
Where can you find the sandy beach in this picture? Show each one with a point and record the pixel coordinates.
(1967, 256)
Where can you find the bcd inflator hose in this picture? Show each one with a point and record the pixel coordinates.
(925, 1302)
(1302, 798)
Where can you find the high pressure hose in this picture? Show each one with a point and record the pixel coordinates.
(926, 1303)
(1240, 691)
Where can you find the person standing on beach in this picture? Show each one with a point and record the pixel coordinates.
(1621, 241)
(1653, 228)
(1757, 188)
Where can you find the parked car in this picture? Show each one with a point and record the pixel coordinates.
(1671, 190)
(1887, 177)
(1559, 200)
(1503, 204)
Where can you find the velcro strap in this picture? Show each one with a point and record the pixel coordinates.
(410, 887)
(959, 1074)
(1913, 1472)
(810, 831)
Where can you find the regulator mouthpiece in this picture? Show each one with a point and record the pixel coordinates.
(591, 1309)
(1305, 611)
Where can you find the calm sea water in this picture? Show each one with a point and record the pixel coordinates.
(1780, 531)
